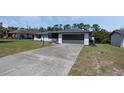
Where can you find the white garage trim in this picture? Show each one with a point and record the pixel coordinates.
(86, 38)
(59, 38)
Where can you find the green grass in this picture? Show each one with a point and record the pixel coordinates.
(104, 59)
(9, 47)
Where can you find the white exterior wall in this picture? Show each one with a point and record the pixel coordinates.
(117, 40)
(45, 38)
(122, 45)
(59, 38)
(86, 38)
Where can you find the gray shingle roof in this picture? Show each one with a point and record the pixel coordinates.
(22, 31)
(46, 32)
(120, 32)
(75, 30)
(72, 30)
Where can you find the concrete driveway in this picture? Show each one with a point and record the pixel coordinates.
(55, 60)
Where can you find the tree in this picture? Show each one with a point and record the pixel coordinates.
(56, 27)
(101, 36)
(1, 30)
(49, 28)
(121, 29)
(41, 29)
(81, 25)
(75, 25)
(67, 26)
(60, 27)
(87, 27)
(1, 25)
(96, 27)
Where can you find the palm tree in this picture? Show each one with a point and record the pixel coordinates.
(1, 30)
(1, 25)
(75, 25)
(81, 25)
(60, 27)
(87, 27)
(56, 27)
(96, 27)
(49, 28)
(67, 26)
(42, 29)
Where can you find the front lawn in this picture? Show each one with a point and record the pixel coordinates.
(8, 47)
(104, 59)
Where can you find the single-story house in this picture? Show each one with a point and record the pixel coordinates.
(65, 36)
(117, 38)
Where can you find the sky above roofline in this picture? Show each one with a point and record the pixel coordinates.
(107, 22)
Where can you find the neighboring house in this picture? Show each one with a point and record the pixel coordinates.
(65, 36)
(117, 38)
(22, 34)
(12, 34)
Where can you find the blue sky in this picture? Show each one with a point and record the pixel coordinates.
(108, 22)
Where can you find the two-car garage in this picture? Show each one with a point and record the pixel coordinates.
(67, 37)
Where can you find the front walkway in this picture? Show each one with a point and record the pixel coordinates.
(54, 61)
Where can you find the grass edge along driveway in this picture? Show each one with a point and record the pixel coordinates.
(9, 47)
(102, 60)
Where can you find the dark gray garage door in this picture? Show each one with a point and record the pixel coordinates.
(72, 38)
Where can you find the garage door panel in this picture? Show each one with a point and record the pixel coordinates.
(72, 38)
(73, 41)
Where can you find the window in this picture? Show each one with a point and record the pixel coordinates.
(38, 36)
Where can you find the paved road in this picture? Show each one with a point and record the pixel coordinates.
(55, 60)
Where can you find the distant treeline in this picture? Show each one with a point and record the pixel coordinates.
(101, 35)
